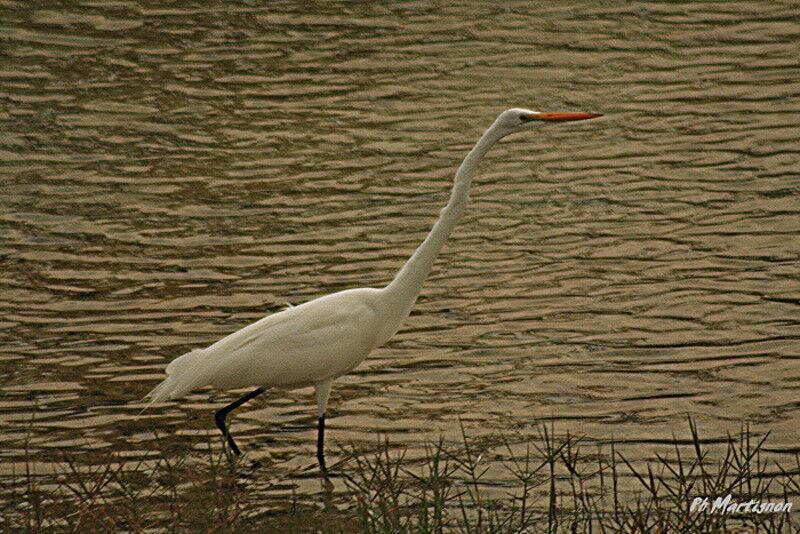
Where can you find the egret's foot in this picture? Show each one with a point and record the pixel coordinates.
(244, 466)
(250, 467)
(327, 488)
(250, 463)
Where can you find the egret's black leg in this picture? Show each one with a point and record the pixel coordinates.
(321, 444)
(219, 417)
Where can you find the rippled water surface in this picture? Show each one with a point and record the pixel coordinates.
(171, 173)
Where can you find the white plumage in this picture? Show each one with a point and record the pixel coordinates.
(297, 347)
(316, 342)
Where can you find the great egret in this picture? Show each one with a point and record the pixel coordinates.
(320, 340)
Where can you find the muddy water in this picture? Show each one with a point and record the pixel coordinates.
(170, 174)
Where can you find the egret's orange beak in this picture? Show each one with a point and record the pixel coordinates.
(562, 116)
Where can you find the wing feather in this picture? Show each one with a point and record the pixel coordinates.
(297, 346)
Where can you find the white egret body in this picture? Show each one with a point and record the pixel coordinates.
(320, 340)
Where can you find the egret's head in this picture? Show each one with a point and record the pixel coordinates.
(517, 119)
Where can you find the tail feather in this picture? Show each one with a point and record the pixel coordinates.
(184, 374)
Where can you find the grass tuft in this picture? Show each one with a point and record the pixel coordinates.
(502, 485)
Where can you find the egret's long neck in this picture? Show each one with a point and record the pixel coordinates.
(405, 287)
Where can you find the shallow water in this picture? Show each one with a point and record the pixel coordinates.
(171, 174)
